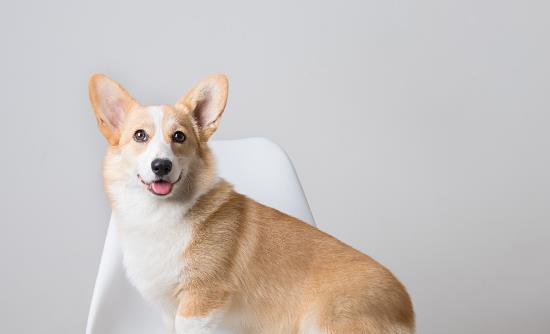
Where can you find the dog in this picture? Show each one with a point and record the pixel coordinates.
(213, 259)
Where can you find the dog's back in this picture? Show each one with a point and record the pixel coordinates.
(285, 276)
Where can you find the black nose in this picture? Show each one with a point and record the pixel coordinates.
(161, 167)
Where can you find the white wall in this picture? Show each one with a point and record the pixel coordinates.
(420, 130)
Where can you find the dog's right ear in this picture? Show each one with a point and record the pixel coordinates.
(111, 102)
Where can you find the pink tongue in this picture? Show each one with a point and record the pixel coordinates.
(161, 187)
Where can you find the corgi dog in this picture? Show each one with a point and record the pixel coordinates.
(213, 259)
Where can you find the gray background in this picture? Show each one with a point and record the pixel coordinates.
(419, 129)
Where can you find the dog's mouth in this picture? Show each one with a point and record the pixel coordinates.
(159, 187)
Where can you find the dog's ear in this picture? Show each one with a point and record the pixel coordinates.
(206, 101)
(111, 102)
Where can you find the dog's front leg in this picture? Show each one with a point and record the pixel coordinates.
(200, 312)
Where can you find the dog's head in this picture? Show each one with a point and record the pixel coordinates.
(159, 151)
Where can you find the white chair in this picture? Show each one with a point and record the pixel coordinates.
(257, 168)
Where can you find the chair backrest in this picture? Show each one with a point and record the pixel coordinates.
(257, 168)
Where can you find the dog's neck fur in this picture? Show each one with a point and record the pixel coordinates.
(154, 232)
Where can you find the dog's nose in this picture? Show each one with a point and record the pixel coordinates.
(161, 167)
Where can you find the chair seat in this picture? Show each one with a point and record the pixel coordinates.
(257, 168)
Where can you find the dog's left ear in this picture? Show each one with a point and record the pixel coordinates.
(206, 101)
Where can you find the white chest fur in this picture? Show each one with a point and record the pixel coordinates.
(153, 238)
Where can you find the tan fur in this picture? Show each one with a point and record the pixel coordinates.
(284, 275)
(127, 103)
(199, 96)
(281, 269)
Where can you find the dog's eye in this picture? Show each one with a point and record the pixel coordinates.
(178, 137)
(140, 136)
